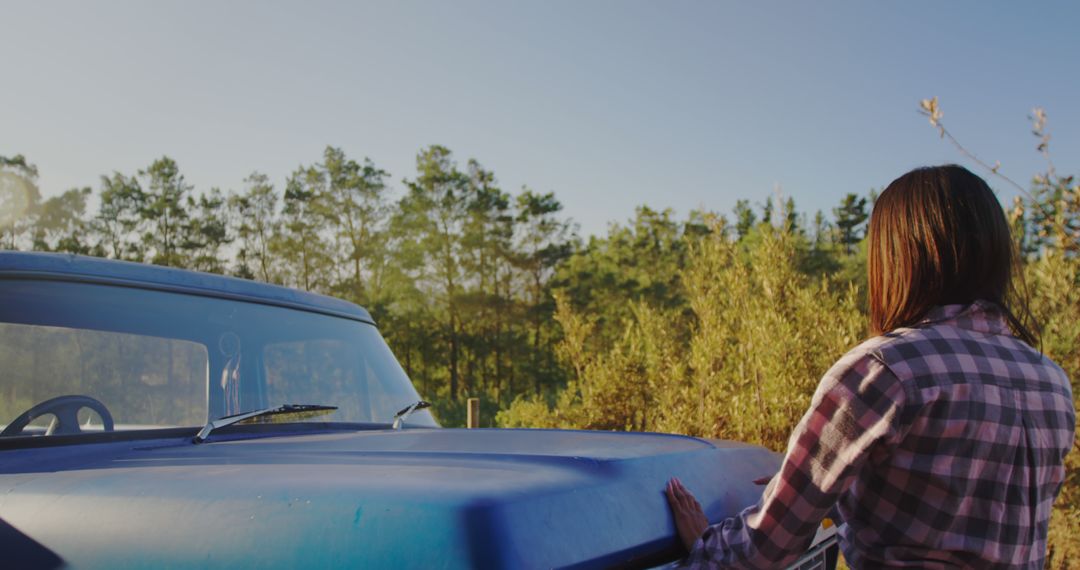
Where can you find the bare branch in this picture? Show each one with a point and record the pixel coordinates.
(931, 109)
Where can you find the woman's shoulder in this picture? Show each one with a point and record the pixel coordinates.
(875, 348)
(886, 351)
(861, 374)
(972, 344)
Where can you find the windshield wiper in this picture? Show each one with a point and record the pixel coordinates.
(400, 417)
(301, 411)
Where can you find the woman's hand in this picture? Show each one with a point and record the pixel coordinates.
(690, 519)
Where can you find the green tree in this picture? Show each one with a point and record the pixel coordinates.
(60, 224)
(823, 230)
(767, 208)
(19, 201)
(164, 209)
(206, 233)
(635, 262)
(119, 219)
(485, 253)
(1052, 216)
(791, 217)
(431, 219)
(355, 206)
(745, 218)
(850, 217)
(300, 244)
(544, 241)
(255, 223)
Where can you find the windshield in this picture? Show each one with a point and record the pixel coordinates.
(159, 359)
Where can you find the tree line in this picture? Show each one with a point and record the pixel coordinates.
(459, 273)
(717, 325)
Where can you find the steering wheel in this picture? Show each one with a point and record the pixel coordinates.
(66, 410)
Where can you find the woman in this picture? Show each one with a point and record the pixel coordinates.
(940, 442)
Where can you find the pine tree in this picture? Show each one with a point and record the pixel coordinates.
(850, 216)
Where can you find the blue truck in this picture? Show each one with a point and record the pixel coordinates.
(157, 418)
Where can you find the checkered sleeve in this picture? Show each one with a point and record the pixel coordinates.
(856, 407)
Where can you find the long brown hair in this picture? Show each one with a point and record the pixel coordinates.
(938, 236)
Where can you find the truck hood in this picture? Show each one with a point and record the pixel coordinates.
(432, 498)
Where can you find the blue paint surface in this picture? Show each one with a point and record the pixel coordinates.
(437, 498)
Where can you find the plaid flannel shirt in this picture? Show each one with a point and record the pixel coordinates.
(939, 446)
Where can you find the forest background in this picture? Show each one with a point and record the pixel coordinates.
(715, 325)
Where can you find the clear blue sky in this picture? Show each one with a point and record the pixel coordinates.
(608, 104)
